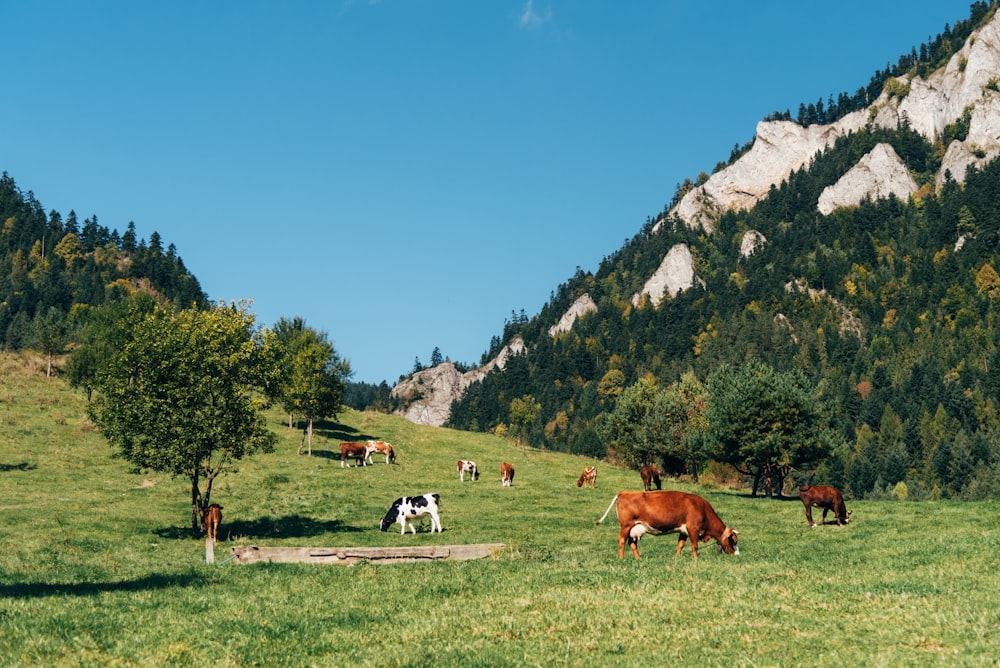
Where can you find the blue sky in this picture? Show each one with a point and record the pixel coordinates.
(403, 174)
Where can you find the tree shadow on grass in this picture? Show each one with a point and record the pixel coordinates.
(147, 583)
(288, 526)
(23, 466)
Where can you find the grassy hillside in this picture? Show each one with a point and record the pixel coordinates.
(97, 567)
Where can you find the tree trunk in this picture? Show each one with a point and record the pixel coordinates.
(195, 505)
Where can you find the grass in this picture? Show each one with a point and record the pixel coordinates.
(97, 566)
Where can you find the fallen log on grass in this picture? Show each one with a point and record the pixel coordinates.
(249, 554)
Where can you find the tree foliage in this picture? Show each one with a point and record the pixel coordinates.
(181, 395)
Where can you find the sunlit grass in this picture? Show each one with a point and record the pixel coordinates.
(97, 565)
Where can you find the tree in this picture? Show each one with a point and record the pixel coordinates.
(50, 334)
(312, 374)
(181, 394)
(678, 424)
(766, 423)
(523, 412)
(436, 357)
(626, 428)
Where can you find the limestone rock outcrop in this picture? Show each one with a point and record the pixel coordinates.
(877, 175)
(583, 305)
(428, 394)
(675, 273)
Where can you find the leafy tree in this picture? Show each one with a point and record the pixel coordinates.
(678, 424)
(51, 334)
(524, 411)
(436, 357)
(625, 430)
(766, 423)
(312, 375)
(181, 394)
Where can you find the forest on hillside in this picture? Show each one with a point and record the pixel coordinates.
(888, 309)
(53, 269)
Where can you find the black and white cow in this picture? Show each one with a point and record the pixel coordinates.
(410, 507)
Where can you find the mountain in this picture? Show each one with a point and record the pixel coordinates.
(856, 244)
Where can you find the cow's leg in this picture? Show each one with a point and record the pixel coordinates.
(825, 511)
(809, 515)
(623, 537)
(436, 522)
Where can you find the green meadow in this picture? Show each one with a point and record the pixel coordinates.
(98, 566)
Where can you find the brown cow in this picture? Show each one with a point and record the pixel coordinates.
(467, 466)
(827, 498)
(211, 518)
(668, 512)
(356, 450)
(650, 477)
(588, 477)
(506, 474)
(381, 447)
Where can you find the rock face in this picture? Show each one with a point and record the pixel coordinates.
(878, 174)
(584, 304)
(928, 105)
(752, 240)
(430, 393)
(676, 273)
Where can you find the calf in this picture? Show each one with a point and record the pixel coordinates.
(359, 451)
(211, 518)
(380, 447)
(827, 498)
(407, 508)
(506, 474)
(588, 477)
(467, 466)
(667, 512)
(650, 477)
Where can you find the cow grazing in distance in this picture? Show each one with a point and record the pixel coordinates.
(359, 451)
(650, 476)
(381, 447)
(827, 498)
(588, 477)
(407, 508)
(506, 474)
(467, 466)
(667, 512)
(211, 519)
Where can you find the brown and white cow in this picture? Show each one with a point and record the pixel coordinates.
(588, 477)
(827, 498)
(381, 447)
(506, 474)
(650, 476)
(359, 451)
(658, 513)
(211, 519)
(467, 466)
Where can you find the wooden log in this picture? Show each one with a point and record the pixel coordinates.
(248, 554)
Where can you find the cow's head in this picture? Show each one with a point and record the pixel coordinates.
(728, 542)
(390, 518)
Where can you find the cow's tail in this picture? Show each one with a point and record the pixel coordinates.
(608, 510)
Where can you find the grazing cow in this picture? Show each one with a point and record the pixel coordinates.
(506, 474)
(407, 508)
(211, 518)
(668, 512)
(588, 477)
(380, 447)
(467, 466)
(359, 451)
(827, 498)
(650, 477)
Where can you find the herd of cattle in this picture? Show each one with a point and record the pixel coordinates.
(653, 512)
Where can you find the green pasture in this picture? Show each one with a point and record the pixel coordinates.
(98, 567)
